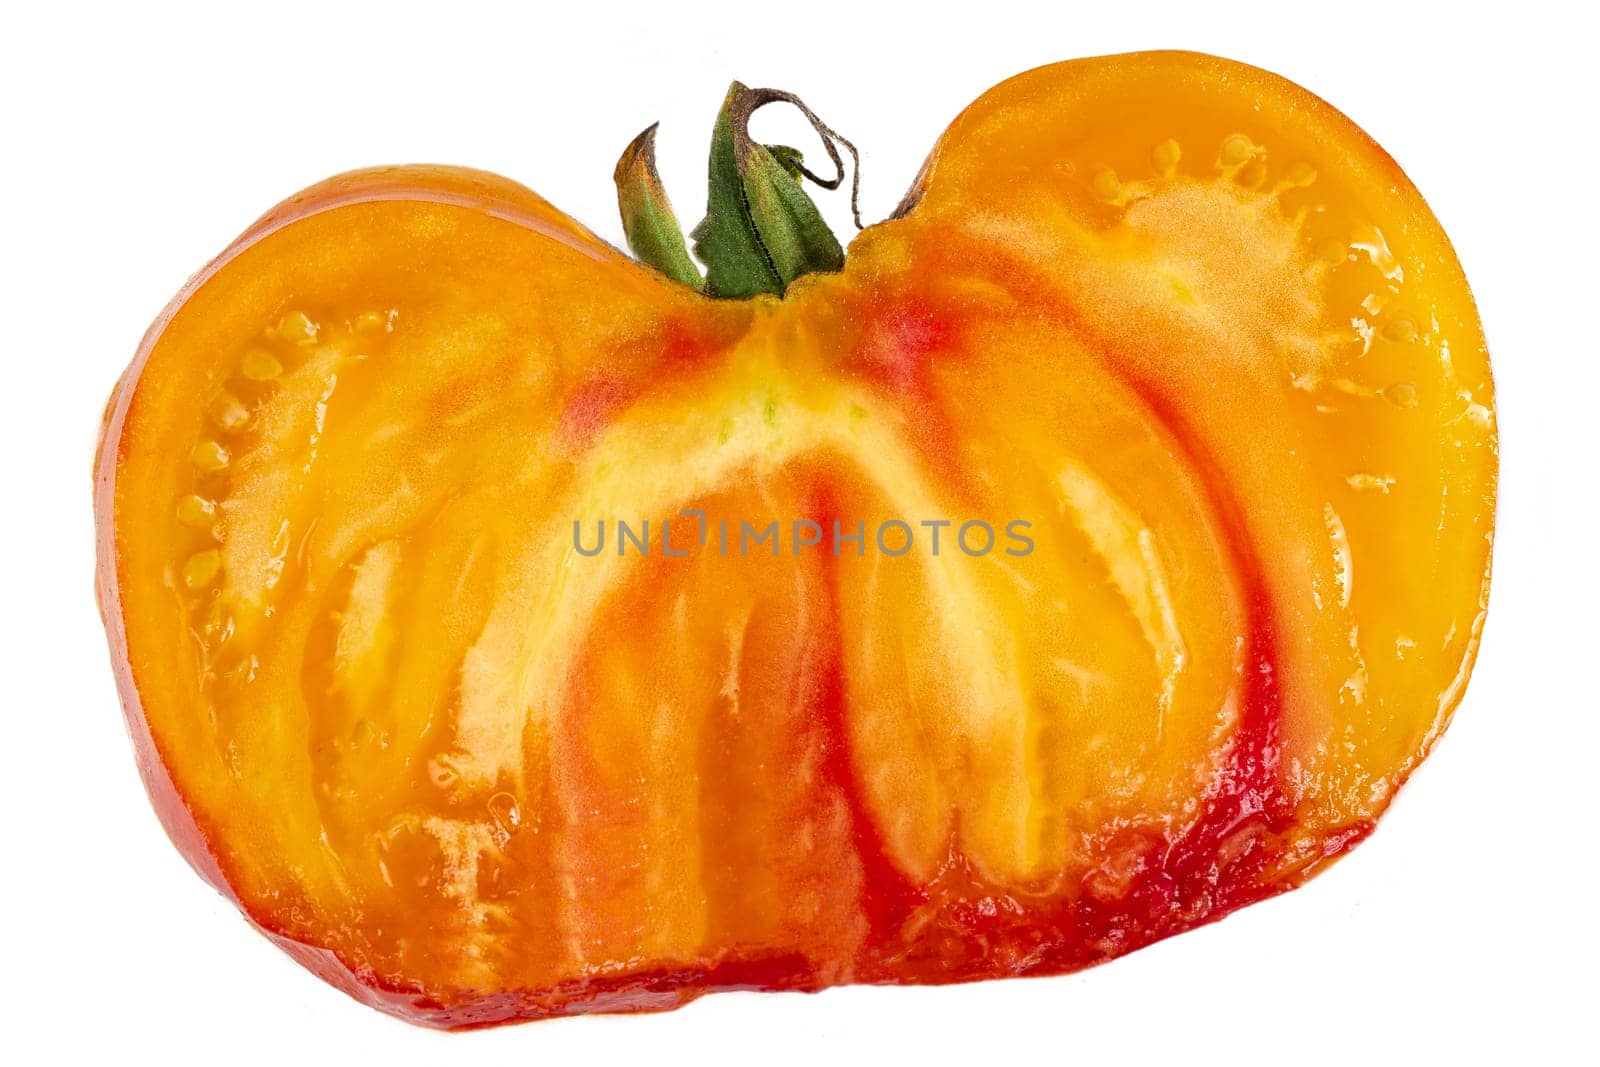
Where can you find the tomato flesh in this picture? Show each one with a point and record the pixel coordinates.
(1181, 320)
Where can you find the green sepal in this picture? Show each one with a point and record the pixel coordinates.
(789, 225)
(737, 266)
(648, 220)
(761, 230)
(789, 158)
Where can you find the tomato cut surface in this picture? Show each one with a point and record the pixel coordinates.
(513, 632)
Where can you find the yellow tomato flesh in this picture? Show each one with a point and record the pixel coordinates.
(1178, 317)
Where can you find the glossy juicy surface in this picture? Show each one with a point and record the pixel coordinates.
(1179, 317)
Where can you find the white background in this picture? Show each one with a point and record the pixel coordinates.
(139, 139)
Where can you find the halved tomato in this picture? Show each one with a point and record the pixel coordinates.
(515, 631)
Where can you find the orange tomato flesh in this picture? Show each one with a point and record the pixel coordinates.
(1180, 317)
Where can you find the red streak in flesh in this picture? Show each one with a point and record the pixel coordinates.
(888, 897)
(644, 363)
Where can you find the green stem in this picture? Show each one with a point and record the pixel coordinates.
(761, 229)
